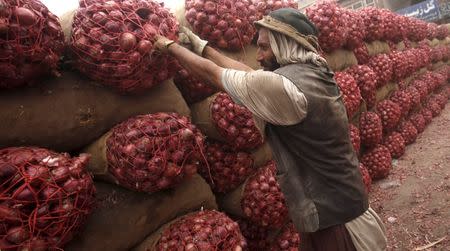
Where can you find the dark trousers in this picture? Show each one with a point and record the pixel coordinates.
(335, 238)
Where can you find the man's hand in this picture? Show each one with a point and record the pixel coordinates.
(162, 43)
(188, 37)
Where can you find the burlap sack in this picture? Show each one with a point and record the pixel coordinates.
(201, 117)
(435, 42)
(437, 65)
(384, 92)
(340, 59)
(124, 218)
(231, 202)
(149, 244)
(69, 112)
(261, 155)
(377, 47)
(401, 46)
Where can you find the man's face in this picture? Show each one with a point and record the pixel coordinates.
(264, 55)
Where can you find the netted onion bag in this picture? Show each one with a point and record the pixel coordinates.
(154, 152)
(367, 82)
(370, 128)
(367, 180)
(227, 168)
(378, 161)
(357, 30)
(289, 239)
(257, 237)
(112, 42)
(204, 230)
(31, 42)
(375, 22)
(263, 202)
(382, 66)
(350, 92)
(45, 198)
(263, 7)
(235, 123)
(226, 24)
(192, 88)
(395, 143)
(354, 137)
(362, 54)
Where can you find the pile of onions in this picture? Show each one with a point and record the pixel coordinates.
(288, 239)
(112, 42)
(350, 92)
(408, 132)
(235, 123)
(378, 161)
(362, 54)
(203, 230)
(365, 176)
(332, 21)
(45, 198)
(226, 24)
(417, 30)
(357, 30)
(370, 129)
(192, 89)
(31, 42)
(382, 66)
(390, 114)
(154, 152)
(375, 22)
(355, 138)
(395, 143)
(263, 7)
(367, 82)
(257, 237)
(441, 32)
(418, 121)
(263, 202)
(427, 115)
(415, 96)
(403, 99)
(227, 168)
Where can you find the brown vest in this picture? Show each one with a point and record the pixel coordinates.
(317, 166)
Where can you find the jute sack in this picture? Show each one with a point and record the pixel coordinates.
(435, 42)
(69, 112)
(149, 243)
(231, 202)
(377, 47)
(385, 91)
(401, 46)
(340, 59)
(124, 218)
(437, 65)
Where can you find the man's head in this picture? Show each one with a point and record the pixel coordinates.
(264, 54)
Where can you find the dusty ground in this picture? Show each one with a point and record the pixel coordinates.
(414, 201)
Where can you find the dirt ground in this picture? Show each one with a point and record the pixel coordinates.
(414, 201)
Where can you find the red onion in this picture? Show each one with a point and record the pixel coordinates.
(395, 143)
(154, 152)
(203, 230)
(367, 180)
(112, 42)
(367, 82)
(235, 123)
(235, 28)
(408, 132)
(289, 239)
(378, 161)
(350, 92)
(33, 196)
(382, 66)
(263, 202)
(355, 138)
(31, 43)
(390, 114)
(192, 89)
(370, 129)
(332, 21)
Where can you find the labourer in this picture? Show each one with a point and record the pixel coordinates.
(306, 127)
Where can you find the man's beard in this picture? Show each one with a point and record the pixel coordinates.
(270, 65)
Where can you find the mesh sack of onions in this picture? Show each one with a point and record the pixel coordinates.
(434, 107)
(395, 143)
(390, 114)
(431, 79)
(417, 30)
(431, 31)
(382, 66)
(192, 89)
(422, 87)
(435, 54)
(370, 129)
(154, 152)
(31, 42)
(408, 132)
(355, 138)
(403, 99)
(235, 123)
(427, 115)
(367, 180)
(418, 121)
(374, 20)
(441, 32)
(399, 65)
(226, 24)
(263, 7)
(350, 92)
(45, 198)
(203, 230)
(227, 168)
(262, 201)
(289, 239)
(440, 99)
(362, 54)
(367, 81)
(395, 29)
(378, 161)
(257, 237)
(332, 21)
(112, 42)
(357, 30)
(415, 96)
